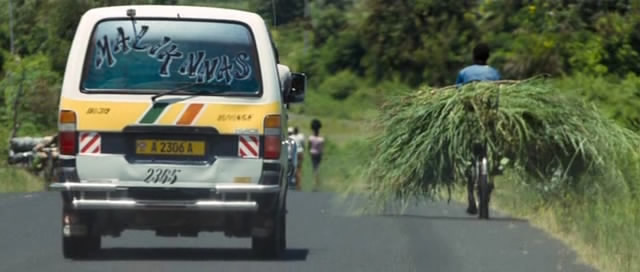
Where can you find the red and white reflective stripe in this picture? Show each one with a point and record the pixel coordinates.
(248, 146)
(89, 142)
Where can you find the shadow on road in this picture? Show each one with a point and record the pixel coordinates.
(455, 218)
(191, 254)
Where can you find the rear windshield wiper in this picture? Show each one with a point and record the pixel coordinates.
(176, 90)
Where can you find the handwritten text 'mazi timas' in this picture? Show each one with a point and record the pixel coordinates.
(219, 68)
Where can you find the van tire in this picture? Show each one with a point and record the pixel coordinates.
(80, 247)
(273, 245)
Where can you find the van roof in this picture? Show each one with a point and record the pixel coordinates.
(158, 11)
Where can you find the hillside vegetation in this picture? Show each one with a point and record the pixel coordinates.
(360, 53)
(356, 52)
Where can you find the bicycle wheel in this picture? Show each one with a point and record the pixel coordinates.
(483, 189)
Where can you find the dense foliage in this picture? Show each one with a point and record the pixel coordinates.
(351, 47)
(415, 42)
(278, 12)
(429, 41)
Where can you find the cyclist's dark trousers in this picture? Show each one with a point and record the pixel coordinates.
(470, 187)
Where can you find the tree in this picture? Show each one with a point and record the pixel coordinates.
(418, 40)
(286, 11)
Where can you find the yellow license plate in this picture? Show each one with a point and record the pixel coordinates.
(169, 147)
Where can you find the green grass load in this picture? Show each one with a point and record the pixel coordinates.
(545, 137)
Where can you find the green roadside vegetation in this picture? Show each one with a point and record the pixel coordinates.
(18, 180)
(601, 227)
(345, 151)
(360, 53)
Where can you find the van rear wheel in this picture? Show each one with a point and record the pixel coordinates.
(274, 244)
(80, 247)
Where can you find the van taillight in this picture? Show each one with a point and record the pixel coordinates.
(271, 147)
(67, 132)
(272, 133)
(67, 141)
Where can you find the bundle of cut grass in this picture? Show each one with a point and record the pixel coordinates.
(426, 138)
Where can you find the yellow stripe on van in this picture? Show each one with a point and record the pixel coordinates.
(96, 115)
(230, 118)
(171, 114)
(104, 115)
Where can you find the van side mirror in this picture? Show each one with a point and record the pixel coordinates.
(298, 88)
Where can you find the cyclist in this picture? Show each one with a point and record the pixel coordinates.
(479, 71)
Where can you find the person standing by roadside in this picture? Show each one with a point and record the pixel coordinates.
(316, 149)
(299, 138)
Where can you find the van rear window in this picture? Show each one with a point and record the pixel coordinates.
(151, 56)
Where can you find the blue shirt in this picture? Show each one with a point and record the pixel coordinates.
(477, 72)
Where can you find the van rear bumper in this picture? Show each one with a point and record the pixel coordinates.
(110, 187)
(204, 205)
(220, 203)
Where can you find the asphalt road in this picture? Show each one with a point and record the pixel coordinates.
(323, 236)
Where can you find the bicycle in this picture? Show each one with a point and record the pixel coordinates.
(481, 171)
(480, 174)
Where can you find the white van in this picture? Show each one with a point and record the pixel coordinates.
(172, 119)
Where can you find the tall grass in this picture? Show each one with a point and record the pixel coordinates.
(600, 223)
(555, 142)
(19, 180)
